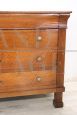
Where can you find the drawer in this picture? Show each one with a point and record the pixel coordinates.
(28, 20)
(27, 61)
(20, 81)
(25, 39)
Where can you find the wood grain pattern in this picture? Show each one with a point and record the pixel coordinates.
(33, 19)
(32, 53)
(26, 39)
(27, 61)
(27, 21)
(30, 92)
(62, 39)
(60, 62)
(20, 81)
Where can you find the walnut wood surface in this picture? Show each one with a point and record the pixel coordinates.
(20, 81)
(27, 61)
(26, 39)
(32, 53)
(11, 20)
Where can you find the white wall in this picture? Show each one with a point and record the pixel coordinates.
(33, 5)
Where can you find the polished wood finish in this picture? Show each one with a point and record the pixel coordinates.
(27, 61)
(27, 81)
(32, 53)
(26, 39)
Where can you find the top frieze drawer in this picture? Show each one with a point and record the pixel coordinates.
(9, 21)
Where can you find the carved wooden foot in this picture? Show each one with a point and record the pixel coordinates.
(58, 100)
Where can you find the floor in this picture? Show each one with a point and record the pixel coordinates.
(41, 104)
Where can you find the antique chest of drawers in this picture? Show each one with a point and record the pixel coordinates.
(32, 51)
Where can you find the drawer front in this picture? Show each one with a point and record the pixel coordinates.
(27, 61)
(25, 39)
(23, 20)
(20, 81)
